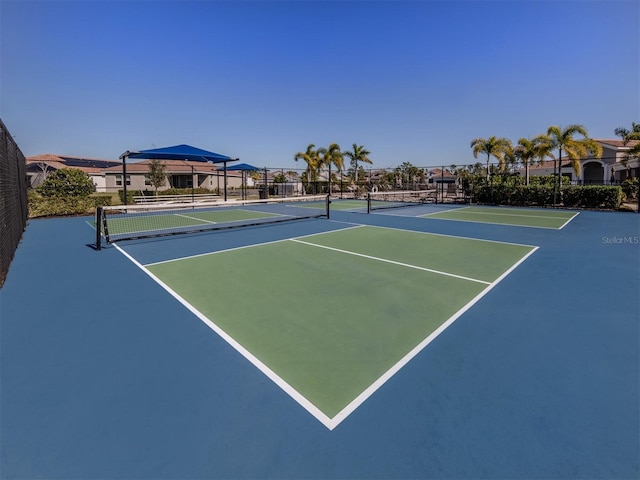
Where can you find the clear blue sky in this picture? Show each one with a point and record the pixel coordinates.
(413, 81)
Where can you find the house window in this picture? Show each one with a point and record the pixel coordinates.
(147, 180)
(119, 180)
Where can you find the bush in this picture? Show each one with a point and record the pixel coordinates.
(102, 199)
(592, 196)
(630, 188)
(41, 206)
(67, 182)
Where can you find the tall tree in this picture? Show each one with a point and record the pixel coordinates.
(628, 136)
(562, 140)
(157, 174)
(493, 146)
(358, 154)
(623, 132)
(530, 150)
(310, 156)
(331, 156)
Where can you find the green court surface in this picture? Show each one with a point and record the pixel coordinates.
(330, 317)
(507, 216)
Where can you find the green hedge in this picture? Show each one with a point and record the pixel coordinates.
(520, 195)
(592, 196)
(630, 188)
(41, 206)
(102, 199)
(607, 197)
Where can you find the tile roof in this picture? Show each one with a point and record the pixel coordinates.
(88, 165)
(618, 143)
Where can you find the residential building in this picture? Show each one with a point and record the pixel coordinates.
(39, 166)
(612, 167)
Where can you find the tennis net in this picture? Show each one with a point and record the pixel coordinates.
(399, 198)
(130, 222)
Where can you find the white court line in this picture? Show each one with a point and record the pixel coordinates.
(359, 400)
(274, 377)
(451, 236)
(177, 259)
(497, 223)
(329, 422)
(384, 260)
(565, 223)
(474, 212)
(194, 218)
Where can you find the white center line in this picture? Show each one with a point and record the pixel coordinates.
(392, 262)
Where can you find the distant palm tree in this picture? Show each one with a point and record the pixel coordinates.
(561, 139)
(530, 150)
(331, 156)
(358, 154)
(492, 146)
(627, 136)
(310, 156)
(623, 132)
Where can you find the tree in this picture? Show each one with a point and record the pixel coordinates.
(530, 150)
(409, 173)
(67, 182)
(310, 156)
(495, 147)
(622, 132)
(358, 154)
(157, 174)
(331, 156)
(628, 136)
(561, 139)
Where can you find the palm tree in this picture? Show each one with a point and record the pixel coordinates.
(627, 136)
(492, 146)
(331, 156)
(624, 132)
(310, 156)
(561, 139)
(530, 150)
(358, 154)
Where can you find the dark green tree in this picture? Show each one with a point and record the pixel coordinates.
(157, 174)
(67, 182)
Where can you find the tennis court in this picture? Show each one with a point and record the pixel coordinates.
(398, 292)
(521, 217)
(355, 346)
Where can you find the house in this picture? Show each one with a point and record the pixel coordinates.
(39, 166)
(612, 167)
(107, 174)
(180, 174)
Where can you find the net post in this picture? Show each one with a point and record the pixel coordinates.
(368, 202)
(98, 221)
(328, 206)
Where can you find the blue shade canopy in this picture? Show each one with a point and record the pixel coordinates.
(243, 167)
(180, 152)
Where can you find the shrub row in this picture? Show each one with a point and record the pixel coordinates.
(592, 196)
(56, 206)
(608, 197)
(41, 206)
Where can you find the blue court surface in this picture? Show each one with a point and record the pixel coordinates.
(106, 375)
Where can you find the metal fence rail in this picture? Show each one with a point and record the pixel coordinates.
(13, 199)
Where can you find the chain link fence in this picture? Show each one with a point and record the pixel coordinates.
(13, 199)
